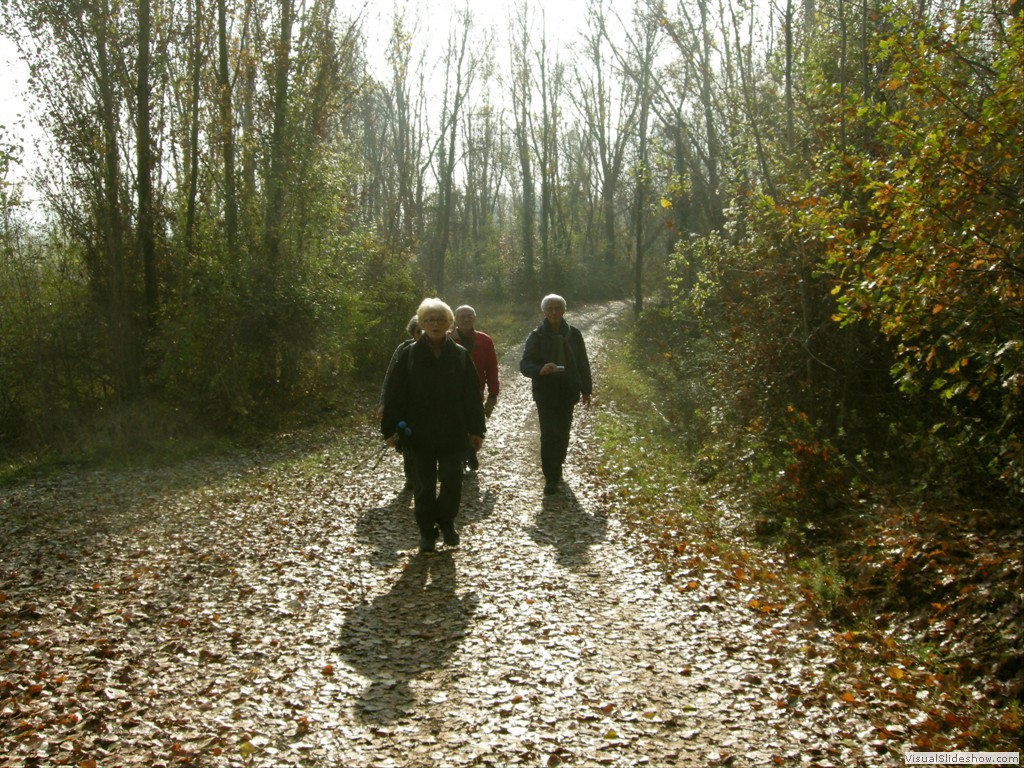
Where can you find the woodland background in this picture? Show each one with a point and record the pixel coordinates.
(816, 209)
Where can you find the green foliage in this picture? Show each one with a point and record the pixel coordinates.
(648, 454)
(934, 258)
(863, 318)
(681, 363)
(252, 324)
(806, 500)
(52, 361)
(236, 347)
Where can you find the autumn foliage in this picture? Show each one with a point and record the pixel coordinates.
(875, 286)
(850, 345)
(933, 257)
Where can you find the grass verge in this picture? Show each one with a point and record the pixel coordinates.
(925, 603)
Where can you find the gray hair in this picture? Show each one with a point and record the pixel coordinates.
(466, 308)
(412, 326)
(434, 304)
(551, 298)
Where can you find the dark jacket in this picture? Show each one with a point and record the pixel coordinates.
(391, 366)
(542, 346)
(438, 398)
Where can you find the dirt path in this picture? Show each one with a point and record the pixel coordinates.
(273, 611)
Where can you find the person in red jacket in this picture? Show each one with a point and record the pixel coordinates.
(481, 349)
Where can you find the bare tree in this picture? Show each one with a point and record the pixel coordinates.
(196, 65)
(522, 96)
(695, 42)
(227, 130)
(144, 165)
(394, 124)
(607, 102)
(545, 138)
(636, 58)
(279, 146)
(458, 79)
(486, 153)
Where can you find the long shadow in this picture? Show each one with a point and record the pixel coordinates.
(410, 630)
(564, 524)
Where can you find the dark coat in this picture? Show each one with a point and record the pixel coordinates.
(391, 365)
(439, 398)
(542, 348)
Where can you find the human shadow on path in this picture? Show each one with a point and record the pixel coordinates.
(403, 634)
(564, 524)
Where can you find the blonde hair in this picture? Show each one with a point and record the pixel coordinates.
(434, 304)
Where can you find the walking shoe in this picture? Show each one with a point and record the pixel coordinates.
(451, 536)
(427, 543)
(550, 487)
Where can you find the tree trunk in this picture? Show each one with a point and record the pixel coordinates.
(118, 294)
(715, 213)
(227, 133)
(521, 92)
(195, 53)
(446, 180)
(646, 62)
(278, 144)
(144, 171)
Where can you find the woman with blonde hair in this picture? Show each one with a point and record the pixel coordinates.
(434, 389)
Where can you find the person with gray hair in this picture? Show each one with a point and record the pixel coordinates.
(555, 359)
(481, 349)
(434, 390)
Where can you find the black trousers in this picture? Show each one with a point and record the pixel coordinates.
(433, 507)
(555, 423)
(408, 465)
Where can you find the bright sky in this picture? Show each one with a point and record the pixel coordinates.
(564, 20)
(15, 124)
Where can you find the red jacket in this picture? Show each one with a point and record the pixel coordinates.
(484, 358)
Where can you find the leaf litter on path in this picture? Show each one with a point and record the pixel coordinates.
(272, 610)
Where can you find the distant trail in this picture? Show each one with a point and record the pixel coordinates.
(273, 611)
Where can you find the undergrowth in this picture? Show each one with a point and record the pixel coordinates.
(924, 593)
